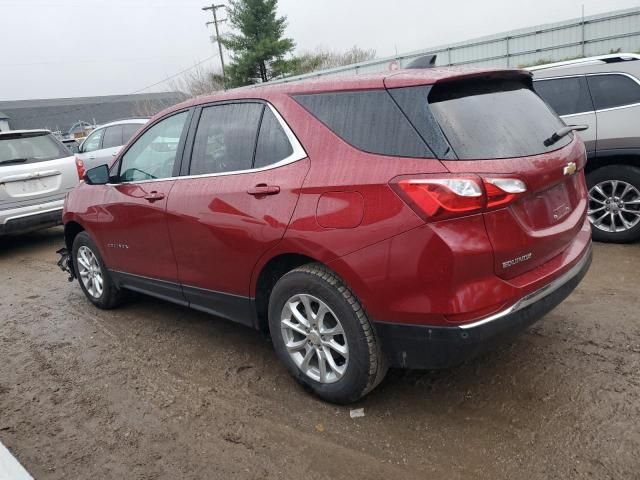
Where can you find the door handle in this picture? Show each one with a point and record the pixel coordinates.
(154, 196)
(263, 189)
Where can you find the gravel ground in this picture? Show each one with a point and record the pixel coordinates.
(153, 390)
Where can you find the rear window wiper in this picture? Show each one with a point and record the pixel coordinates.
(13, 160)
(563, 132)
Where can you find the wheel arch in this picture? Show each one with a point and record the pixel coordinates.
(71, 231)
(607, 158)
(269, 275)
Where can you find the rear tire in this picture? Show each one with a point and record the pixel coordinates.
(336, 323)
(92, 275)
(611, 189)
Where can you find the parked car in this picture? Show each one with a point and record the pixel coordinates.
(103, 144)
(403, 219)
(604, 93)
(36, 172)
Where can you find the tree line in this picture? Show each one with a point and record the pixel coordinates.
(260, 51)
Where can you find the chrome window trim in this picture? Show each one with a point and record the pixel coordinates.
(535, 296)
(299, 153)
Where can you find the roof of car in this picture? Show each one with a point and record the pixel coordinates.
(389, 79)
(13, 132)
(140, 121)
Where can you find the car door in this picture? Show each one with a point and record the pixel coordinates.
(244, 174)
(132, 225)
(112, 142)
(617, 100)
(89, 147)
(570, 98)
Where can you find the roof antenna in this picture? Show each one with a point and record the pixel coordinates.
(426, 61)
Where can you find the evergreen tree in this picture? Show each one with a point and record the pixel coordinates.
(259, 45)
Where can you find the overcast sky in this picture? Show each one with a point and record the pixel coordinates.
(67, 48)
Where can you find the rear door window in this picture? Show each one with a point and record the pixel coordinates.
(567, 96)
(30, 148)
(368, 120)
(112, 137)
(491, 118)
(613, 90)
(128, 129)
(226, 138)
(273, 144)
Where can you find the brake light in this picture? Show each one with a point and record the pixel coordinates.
(80, 168)
(452, 196)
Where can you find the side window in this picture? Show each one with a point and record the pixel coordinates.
(154, 153)
(368, 120)
(92, 142)
(273, 144)
(615, 90)
(565, 95)
(226, 138)
(128, 130)
(112, 136)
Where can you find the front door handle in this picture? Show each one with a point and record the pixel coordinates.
(263, 189)
(154, 196)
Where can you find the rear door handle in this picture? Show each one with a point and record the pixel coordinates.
(154, 196)
(263, 189)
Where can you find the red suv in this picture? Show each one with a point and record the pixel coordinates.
(404, 219)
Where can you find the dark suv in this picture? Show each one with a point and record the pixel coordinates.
(402, 219)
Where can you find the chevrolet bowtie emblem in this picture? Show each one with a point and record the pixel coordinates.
(570, 168)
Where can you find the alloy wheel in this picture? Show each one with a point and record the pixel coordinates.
(90, 272)
(314, 338)
(614, 206)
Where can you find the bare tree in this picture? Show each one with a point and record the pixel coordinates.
(322, 59)
(197, 82)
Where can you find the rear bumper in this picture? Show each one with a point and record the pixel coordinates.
(34, 217)
(433, 347)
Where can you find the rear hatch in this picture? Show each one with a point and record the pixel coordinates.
(34, 168)
(496, 127)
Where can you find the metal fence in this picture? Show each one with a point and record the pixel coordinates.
(591, 35)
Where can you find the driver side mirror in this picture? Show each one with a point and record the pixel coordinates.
(97, 175)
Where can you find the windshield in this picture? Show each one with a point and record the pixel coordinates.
(30, 148)
(486, 119)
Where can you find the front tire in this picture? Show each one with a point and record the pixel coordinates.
(614, 203)
(322, 334)
(92, 274)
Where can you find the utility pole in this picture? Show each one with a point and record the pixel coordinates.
(215, 22)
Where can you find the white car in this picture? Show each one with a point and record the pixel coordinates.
(104, 143)
(36, 172)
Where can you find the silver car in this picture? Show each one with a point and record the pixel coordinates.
(604, 93)
(36, 172)
(104, 143)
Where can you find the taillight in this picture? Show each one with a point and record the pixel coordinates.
(80, 168)
(437, 198)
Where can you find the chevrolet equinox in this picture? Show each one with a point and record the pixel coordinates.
(405, 219)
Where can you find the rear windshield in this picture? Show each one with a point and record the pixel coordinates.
(484, 119)
(30, 148)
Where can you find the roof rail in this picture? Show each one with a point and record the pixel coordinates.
(425, 61)
(610, 58)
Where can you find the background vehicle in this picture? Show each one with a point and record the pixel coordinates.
(604, 93)
(72, 144)
(404, 219)
(36, 172)
(104, 143)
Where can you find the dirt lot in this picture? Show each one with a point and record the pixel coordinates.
(153, 390)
